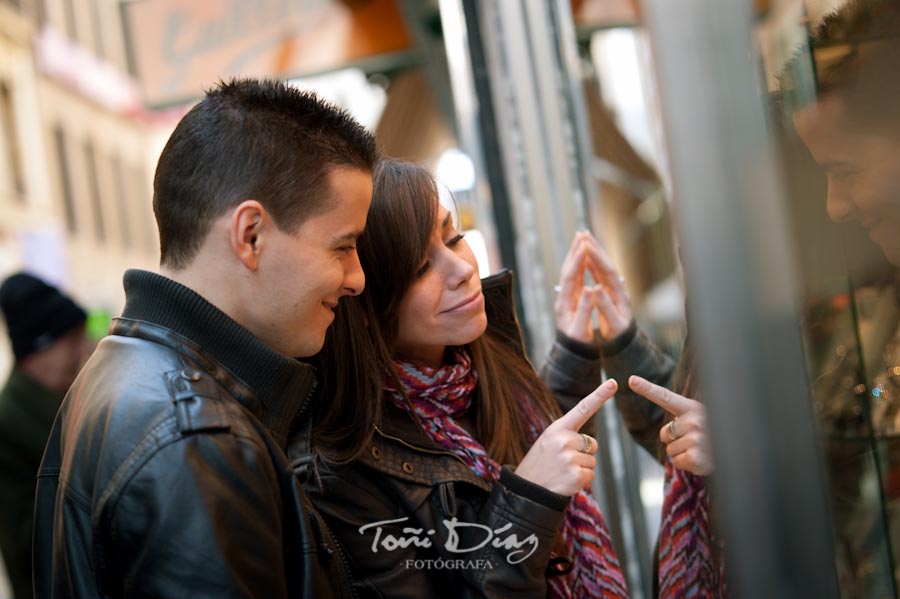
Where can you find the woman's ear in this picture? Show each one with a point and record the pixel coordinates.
(248, 223)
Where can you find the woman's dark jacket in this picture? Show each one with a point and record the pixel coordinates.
(408, 478)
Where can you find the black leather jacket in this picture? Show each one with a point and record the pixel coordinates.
(165, 474)
(408, 478)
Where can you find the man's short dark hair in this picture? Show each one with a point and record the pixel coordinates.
(251, 139)
(854, 53)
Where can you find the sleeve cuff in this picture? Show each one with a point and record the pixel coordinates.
(614, 346)
(529, 490)
(588, 351)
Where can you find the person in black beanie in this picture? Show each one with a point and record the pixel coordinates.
(49, 344)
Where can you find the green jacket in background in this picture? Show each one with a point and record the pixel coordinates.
(27, 410)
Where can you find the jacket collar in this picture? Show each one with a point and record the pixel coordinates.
(499, 305)
(273, 387)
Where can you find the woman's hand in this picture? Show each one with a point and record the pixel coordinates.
(562, 459)
(685, 437)
(576, 301)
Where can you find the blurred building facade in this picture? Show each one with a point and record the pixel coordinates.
(78, 150)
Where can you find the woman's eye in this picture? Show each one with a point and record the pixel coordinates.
(423, 269)
(456, 240)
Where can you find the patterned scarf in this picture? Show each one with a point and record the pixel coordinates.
(439, 396)
(691, 564)
(691, 557)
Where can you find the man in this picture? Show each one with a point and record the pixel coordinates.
(165, 473)
(49, 345)
(852, 129)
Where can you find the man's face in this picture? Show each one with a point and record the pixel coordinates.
(306, 273)
(863, 168)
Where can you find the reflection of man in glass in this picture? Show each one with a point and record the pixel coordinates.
(852, 130)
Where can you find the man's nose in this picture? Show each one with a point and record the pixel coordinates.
(839, 204)
(354, 277)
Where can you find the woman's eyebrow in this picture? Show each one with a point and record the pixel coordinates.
(447, 221)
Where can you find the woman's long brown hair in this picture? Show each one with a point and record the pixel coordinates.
(357, 356)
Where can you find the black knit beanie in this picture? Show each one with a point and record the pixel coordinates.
(37, 314)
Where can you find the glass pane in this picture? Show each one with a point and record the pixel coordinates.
(831, 70)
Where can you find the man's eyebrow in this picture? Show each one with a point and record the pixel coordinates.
(834, 164)
(351, 236)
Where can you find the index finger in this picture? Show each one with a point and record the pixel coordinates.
(571, 275)
(602, 268)
(575, 418)
(667, 400)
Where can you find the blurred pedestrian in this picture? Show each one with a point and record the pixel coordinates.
(47, 331)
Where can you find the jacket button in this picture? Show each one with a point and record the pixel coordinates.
(407, 467)
(376, 453)
(190, 375)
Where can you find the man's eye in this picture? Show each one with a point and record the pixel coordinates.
(843, 174)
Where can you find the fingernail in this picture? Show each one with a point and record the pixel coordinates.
(634, 382)
(610, 384)
(557, 289)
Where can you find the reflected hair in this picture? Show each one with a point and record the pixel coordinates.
(359, 347)
(853, 54)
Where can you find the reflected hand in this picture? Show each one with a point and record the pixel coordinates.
(610, 297)
(685, 437)
(575, 302)
(562, 459)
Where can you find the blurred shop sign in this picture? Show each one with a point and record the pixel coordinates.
(603, 14)
(179, 48)
(600, 14)
(42, 253)
(76, 67)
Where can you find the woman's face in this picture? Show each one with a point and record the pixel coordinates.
(444, 305)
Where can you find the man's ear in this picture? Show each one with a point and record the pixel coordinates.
(249, 220)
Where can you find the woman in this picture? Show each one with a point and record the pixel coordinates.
(438, 398)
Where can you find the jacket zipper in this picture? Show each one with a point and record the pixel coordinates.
(302, 409)
(342, 557)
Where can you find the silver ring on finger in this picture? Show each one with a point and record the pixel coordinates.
(671, 430)
(587, 443)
